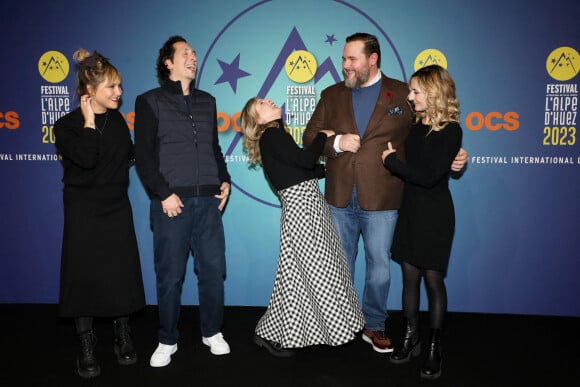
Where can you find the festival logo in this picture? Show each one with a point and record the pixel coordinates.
(561, 104)
(54, 99)
(291, 65)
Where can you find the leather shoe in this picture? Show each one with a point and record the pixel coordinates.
(274, 348)
(378, 340)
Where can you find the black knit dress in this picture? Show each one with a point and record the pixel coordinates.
(426, 223)
(100, 265)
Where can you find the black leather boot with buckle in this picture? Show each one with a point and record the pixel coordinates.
(87, 365)
(123, 345)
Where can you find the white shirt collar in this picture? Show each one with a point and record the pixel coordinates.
(376, 79)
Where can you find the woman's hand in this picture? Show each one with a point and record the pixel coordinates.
(388, 151)
(87, 110)
(460, 160)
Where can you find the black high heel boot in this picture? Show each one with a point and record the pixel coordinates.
(432, 365)
(123, 345)
(87, 365)
(411, 346)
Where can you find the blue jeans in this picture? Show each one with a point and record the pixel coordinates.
(199, 230)
(377, 228)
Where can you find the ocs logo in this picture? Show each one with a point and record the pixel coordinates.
(9, 120)
(300, 66)
(53, 66)
(563, 63)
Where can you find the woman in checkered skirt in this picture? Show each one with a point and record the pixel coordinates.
(313, 301)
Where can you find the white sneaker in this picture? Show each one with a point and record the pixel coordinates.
(217, 345)
(162, 355)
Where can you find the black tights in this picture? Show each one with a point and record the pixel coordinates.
(85, 324)
(436, 294)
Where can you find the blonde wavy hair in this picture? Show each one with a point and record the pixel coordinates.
(253, 131)
(442, 102)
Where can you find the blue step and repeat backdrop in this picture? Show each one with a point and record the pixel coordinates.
(517, 244)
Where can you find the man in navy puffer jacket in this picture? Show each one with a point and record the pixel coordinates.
(181, 165)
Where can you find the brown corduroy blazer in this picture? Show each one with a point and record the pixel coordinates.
(391, 119)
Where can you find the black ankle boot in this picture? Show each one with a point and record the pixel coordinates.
(123, 345)
(432, 365)
(87, 366)
(410, 345)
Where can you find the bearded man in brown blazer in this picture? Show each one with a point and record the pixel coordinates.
(365, 111)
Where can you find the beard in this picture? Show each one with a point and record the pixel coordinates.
(361, 77)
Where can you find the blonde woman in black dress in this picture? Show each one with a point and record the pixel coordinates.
(426, 223)
(313, 301)
(100, 266)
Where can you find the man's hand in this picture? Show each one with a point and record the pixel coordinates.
(172, 205)
(349, 143)
(223, 195)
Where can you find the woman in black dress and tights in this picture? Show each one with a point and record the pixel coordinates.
(313, 301)
(426, 223)
(100, 266)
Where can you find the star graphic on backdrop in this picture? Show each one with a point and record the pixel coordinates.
(330, 39)
(231, 73)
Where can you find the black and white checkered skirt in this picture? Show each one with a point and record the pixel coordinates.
(313, 301)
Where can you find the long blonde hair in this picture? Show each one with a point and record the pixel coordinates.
(253, 131)
(442, 102)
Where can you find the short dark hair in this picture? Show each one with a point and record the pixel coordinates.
(371, 44)
(166, 52)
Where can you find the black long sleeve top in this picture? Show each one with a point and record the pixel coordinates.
(285, 163)
(91, 158)
(429, 156)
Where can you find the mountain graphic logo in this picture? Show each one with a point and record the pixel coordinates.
(563, 63)
(53, 66)
(301, 66)
(430, 56)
